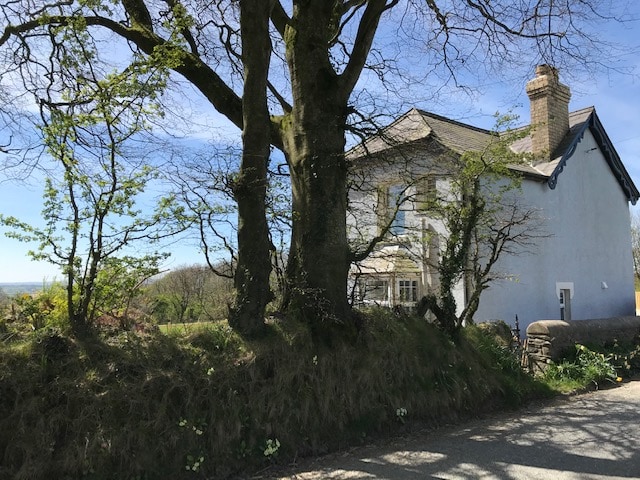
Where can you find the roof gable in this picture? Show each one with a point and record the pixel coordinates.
(587, 119)
(407, 129)
(418, 125)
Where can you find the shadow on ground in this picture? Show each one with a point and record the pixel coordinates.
(590, 436)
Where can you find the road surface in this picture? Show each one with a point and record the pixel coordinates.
(591, 436)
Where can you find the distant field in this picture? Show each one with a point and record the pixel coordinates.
(20, 287)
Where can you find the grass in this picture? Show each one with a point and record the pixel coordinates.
(206, 403)
(185, 328)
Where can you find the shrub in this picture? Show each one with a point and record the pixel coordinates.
(588, 368)
(47, 308)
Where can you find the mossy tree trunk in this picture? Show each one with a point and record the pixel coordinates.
(318, 260)
(313, 136)
(250, 187)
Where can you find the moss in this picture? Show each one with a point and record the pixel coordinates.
(290, 36)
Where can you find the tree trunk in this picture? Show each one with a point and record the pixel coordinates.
(318, 262)
(254, 247)
(314, 140)
(445, 318)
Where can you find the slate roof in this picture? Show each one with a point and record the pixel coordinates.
(418, 125)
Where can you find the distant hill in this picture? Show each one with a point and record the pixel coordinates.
(21, 287)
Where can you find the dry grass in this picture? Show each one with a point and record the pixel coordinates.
(149, 406)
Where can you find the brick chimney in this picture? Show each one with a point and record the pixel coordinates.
(549, 111)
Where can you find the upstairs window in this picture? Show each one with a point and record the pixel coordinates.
(426, 193)
(391, 207)
(396, 205)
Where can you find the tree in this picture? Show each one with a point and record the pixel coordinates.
(186, 286)
(119, 282)
(202, 182)
(190, 293)
(90, 208)
(484, 219)
(635, 244)
(4, 301)
(305, 103)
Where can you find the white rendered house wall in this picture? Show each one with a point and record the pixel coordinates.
(589, 248)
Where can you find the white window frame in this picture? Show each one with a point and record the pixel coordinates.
(413, 287)
(369, 287)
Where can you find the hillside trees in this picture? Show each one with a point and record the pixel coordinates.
(189, 294)
(286, 73)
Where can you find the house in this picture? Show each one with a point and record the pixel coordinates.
(581, 267)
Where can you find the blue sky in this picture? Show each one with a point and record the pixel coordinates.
(616, 97)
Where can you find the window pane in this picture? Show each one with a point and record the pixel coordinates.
(398, 227)
(396, 197)
(377, 290)
(408, 290)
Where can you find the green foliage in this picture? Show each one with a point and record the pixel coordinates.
(625, 357)
(120, 280)
(483, 218)
(588, 368)
(271, 448)
(47, 308)
(157, 406)
(189, 294)
(493, 342)
(90, 207)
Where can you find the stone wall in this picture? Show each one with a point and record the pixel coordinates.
(550, 340)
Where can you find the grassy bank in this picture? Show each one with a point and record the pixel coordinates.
(209, 404)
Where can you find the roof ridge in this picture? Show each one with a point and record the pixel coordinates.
(480, 129)
(402, 117)
(456, 122)
(581, 110)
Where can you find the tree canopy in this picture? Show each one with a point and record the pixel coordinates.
(297, 76)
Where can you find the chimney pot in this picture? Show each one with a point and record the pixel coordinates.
(545, 69)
